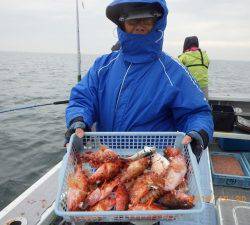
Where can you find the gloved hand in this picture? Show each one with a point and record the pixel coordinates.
(77, 126)
(199, 142)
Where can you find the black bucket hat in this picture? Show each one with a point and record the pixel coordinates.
(126, 11)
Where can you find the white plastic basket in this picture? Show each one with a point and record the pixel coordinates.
(127, 143)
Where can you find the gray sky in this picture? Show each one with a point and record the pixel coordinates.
(223, 26)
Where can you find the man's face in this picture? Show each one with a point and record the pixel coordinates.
(139, 26)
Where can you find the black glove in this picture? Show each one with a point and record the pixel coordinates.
(74, 124)
(199, 142)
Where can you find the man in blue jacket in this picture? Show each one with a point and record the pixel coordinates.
(139, 87)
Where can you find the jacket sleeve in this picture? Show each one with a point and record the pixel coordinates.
(190, 109)
(83, 99)
(181, 58)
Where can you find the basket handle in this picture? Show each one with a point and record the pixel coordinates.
(195, 165)
(193, 157)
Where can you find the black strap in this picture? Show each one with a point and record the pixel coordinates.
(202, 61)
(198, 65)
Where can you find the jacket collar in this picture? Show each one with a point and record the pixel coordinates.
(138, 48)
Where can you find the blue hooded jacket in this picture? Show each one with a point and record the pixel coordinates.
(140, 88)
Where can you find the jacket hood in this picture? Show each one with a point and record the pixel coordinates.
(189, 42)
(138, 48)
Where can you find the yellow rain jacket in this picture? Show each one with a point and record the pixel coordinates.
(197, 63)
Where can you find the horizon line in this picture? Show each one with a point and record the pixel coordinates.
(96, 54)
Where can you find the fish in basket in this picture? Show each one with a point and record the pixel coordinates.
(109, 179)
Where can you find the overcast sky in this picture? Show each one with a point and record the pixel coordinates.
(223, 26)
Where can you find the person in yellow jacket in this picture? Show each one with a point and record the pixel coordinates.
(196, 61)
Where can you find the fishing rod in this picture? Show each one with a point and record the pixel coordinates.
(35, 106)
(78, 42)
